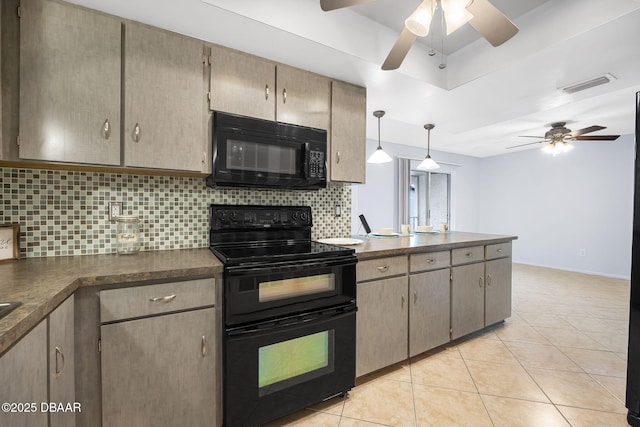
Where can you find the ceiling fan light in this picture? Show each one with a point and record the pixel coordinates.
(420, 20)
(379, 156)
(428, 164)
(455, 14)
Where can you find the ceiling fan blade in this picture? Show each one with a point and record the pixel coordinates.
(597, 138)
(529, 136)
(399, 50)
(589, 129)
(328, 5)
(492, 24)
(528, 143)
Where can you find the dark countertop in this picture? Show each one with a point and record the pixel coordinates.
(41, 284)
(375, 247)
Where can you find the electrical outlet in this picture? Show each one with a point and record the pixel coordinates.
(115, 210)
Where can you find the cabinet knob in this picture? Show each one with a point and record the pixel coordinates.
(137, 133)
(499, 250)
(59, 367)
(266, 92)
(167, 298)
(383, 268)
(106, 129)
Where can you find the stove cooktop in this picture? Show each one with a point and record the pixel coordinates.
(252, 252)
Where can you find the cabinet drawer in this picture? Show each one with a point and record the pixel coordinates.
(381, 267)
(467, 255)
(429, 261)
(139, 301)
(499, 250)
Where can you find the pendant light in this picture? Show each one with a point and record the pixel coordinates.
(428, 163)
(379, 156)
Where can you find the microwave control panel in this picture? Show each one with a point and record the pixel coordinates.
(316, 164)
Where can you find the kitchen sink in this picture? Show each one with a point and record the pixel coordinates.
(7, 307)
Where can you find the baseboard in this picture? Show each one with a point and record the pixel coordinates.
(591, 273)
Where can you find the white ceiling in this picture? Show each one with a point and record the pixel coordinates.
(485, 97)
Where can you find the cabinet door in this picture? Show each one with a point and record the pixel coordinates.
(303, 98)
(381, 326)
(164, 100)
(348, 132)
(467, 299)
(159, 371)
(429, 317)
(498, 291)
(62, 362)
(23, 379)
(242, 84)
(69, 84)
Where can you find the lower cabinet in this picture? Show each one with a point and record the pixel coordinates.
(23, 379)
(24, 369)
(62, 363)
(429, 310)
(158, 355)
(467, 299)
(497, 300)
(158, 371)
(381, 328)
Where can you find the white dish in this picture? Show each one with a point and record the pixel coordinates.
(386, 235)
(427, 232)
(341, 241)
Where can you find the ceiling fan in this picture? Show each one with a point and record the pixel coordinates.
(484, 17)
(558, 137)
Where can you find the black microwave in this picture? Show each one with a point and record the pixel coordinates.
(249, 152)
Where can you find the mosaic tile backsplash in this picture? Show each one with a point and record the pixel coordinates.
(65, 213)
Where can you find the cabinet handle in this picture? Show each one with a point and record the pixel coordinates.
(499, 250)
(61, 368)
(431, 261)
(266, 92)
(402, 301)
(383, 268)
(168, 298)
(284, 95)
(204, 346)
(468, 254)
(106, 129)
(137, 134)
(481, 281)
(415, 297)
(338, 157)
(488, 280)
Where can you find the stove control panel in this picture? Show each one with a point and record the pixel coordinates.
(258, 217)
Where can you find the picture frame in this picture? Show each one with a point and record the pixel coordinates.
(9, 242)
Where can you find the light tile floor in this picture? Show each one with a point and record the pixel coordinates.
(559, 360)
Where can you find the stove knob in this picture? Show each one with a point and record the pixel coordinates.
(294, 215)
(234, 216)
(222, 215)
(304, 217)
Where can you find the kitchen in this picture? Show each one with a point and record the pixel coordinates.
(167, 202)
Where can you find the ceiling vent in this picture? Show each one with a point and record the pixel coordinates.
(587, 84)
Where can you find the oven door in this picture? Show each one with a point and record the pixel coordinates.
(272, 290)
(274, 369)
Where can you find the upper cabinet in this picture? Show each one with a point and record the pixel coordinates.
(348, 132)
(69, 84)
(303, 98)
(242, 84)
(164, 100)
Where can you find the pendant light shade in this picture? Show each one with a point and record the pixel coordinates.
(379, 156)
(428, 163)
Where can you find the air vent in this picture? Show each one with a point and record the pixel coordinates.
(587, 84)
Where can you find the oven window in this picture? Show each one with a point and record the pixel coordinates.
(257, 157)
(288, 288)
(287, 363)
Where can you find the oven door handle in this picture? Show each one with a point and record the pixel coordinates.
(242, 270)
(273, 326)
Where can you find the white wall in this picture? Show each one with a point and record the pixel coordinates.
(378, 200)
(572, 211)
